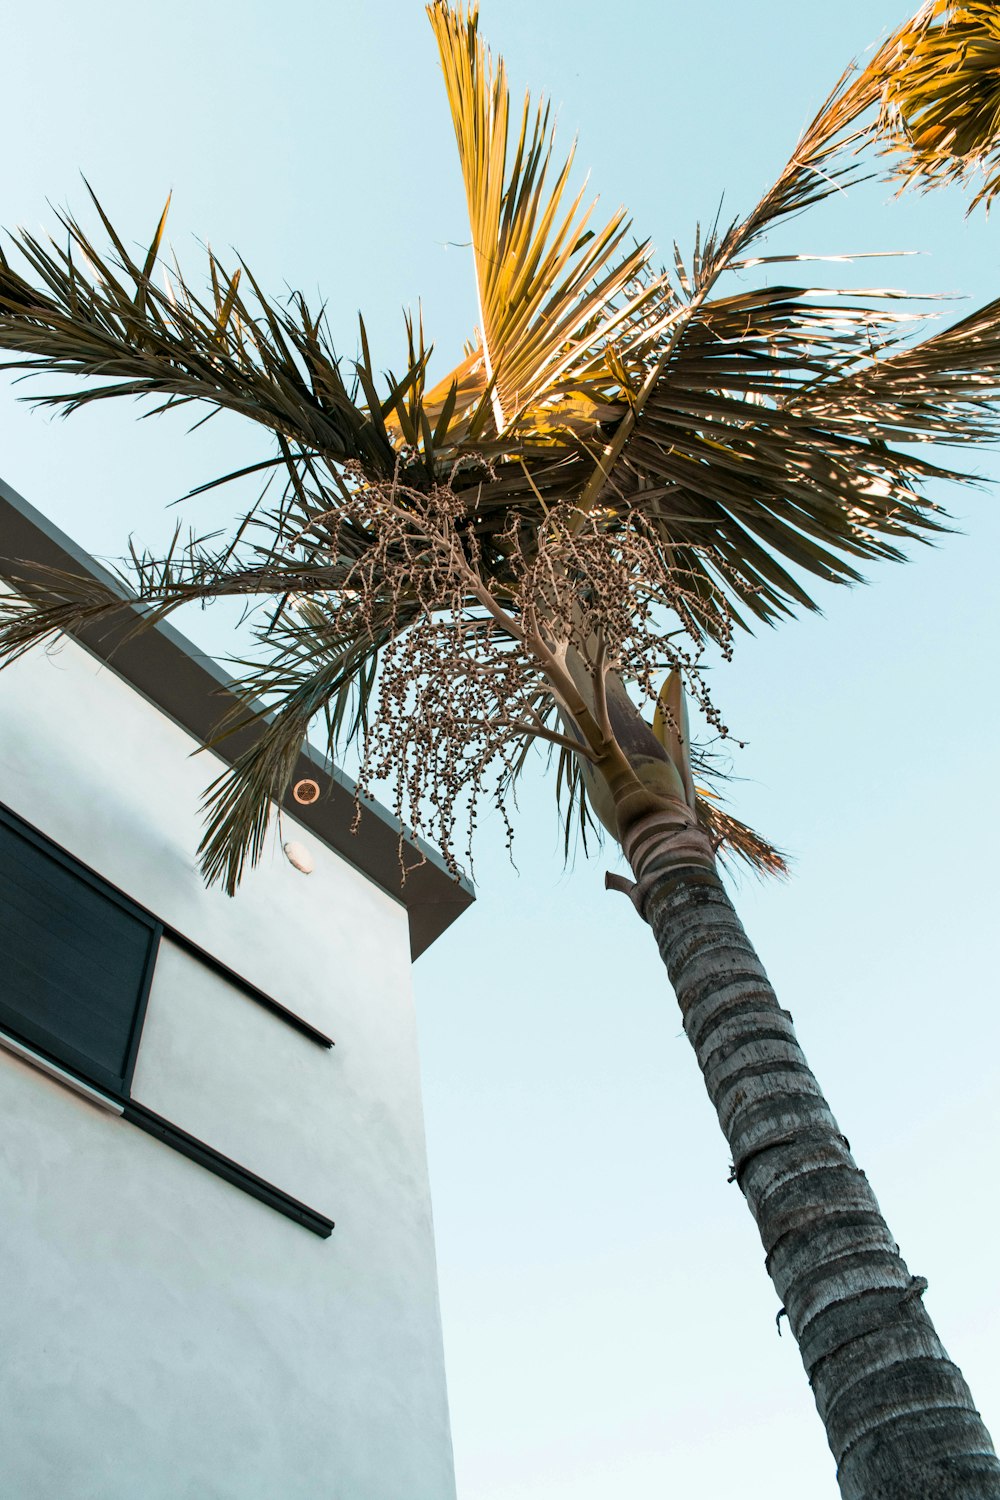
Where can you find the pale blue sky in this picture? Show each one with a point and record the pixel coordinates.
(609, 1326)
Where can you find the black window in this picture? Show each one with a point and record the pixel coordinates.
(76, 959)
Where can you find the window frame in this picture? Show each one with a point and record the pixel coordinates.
(48, 1043)
(113, 1091)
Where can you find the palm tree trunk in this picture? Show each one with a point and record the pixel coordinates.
(898, 1414)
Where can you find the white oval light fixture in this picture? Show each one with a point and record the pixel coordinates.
(298, 856)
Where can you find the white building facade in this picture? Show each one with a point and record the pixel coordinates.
(217, 1252)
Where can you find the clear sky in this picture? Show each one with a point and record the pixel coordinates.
(609, 1326)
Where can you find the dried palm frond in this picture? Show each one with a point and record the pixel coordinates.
(938, 77)
(552, 291)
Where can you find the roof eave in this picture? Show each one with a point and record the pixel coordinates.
(193, 690)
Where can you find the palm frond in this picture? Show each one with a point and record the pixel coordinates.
(822, 164)
(719, 447)
(332, 680)
(102, 314)
(938, 77)
(50, 601)
(552, 290)
(788, 434)
(774, 425)
(781, 431)
(745, 443)
(819, 167)
(737, 843)
(314, 675)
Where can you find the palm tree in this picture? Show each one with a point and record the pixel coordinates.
(939, 82)
(627, 466)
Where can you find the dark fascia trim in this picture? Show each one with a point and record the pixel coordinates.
(229, 1170)
(160, 929)
(187, 685)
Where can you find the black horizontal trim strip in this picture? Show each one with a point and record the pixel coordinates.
(224, 1167)
(239, 983)
(104, 887)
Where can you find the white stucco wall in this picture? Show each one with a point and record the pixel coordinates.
(164, 1334)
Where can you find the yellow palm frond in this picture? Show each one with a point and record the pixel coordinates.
(552, 289)
(939, 82)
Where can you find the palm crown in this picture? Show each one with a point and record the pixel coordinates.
(626, 463)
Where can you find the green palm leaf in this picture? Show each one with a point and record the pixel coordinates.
(104, 316)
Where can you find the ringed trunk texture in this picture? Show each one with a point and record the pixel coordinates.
(898, 1414)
